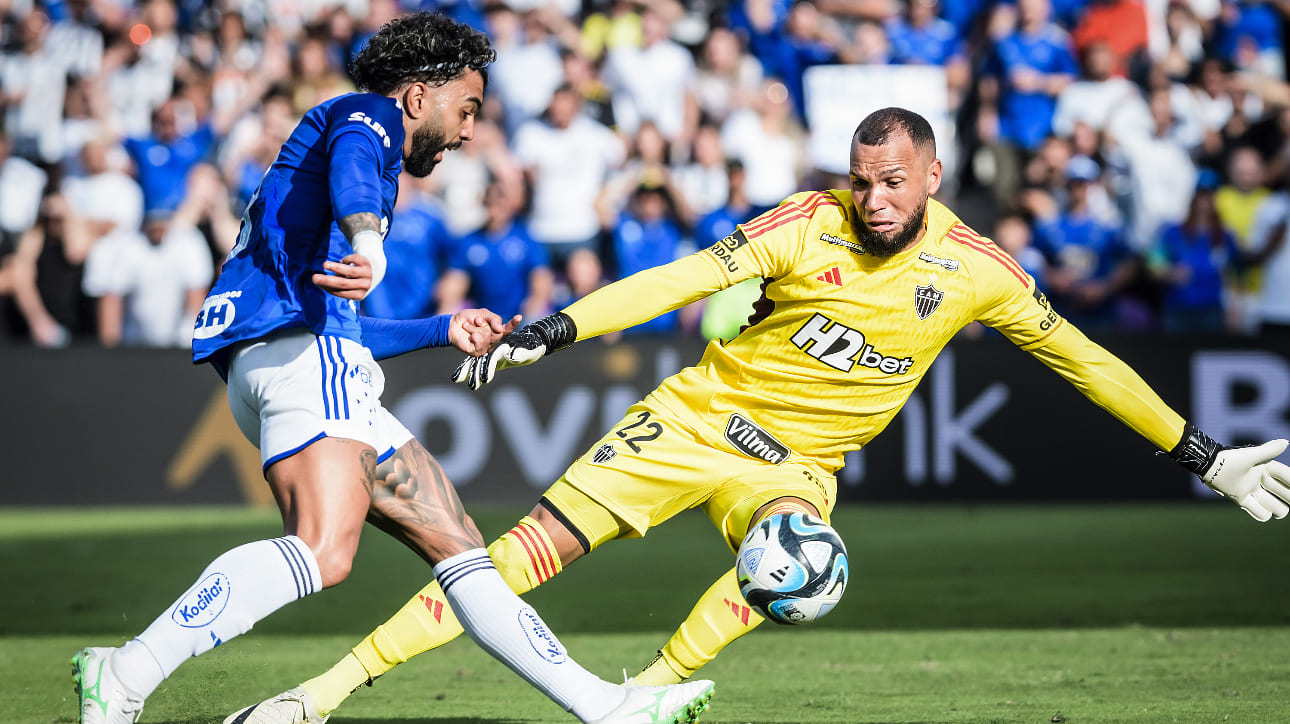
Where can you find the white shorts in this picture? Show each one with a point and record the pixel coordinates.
(290, 390)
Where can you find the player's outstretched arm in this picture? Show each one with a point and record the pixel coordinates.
(625, 303)
(1251, 476)
(473, 331)
(516, 349)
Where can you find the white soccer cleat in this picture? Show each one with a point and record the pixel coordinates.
(671, 704)
(103, 699)
(293, 706)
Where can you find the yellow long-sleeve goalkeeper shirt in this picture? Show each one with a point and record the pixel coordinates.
(840, 338)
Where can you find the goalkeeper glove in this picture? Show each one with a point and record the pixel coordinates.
(521, 347)
(1251, 477)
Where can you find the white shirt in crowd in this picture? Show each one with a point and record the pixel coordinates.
(109, 196)
(21, 183)
(1273, 298)
(651, 84)
(569, 166)
(1091, 102)
(35, 123)
(771, 160)
(524, 77)
(154, 280)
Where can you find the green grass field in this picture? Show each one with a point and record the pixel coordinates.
(1145, 613)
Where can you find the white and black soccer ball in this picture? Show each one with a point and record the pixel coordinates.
(792, 568)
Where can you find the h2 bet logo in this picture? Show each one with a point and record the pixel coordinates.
(842, 348)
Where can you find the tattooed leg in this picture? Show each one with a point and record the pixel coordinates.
(413, 500)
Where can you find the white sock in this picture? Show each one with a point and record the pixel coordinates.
(235, 591)
(509, 629)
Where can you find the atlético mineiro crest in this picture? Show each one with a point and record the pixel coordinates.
(927, 299)
(604, 453)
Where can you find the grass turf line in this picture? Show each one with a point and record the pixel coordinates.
(955, 614)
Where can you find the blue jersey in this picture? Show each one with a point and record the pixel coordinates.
(163, 168)
(641, 245)
(343, 158)
(499, 264)
(1208, 262)
(720, 223)
(1087, 248)
(936, 43)
(1026, 117)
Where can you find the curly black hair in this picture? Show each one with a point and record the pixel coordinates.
(422, 47)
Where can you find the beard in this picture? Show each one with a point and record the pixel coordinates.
(890, 243)
(427, 142)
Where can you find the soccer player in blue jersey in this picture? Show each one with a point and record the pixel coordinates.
(281, 327)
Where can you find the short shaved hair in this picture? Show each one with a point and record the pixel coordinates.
(877, 127)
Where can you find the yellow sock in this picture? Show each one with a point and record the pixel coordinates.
(720, 616)
(525, 557)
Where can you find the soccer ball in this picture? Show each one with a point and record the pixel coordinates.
(792, 568)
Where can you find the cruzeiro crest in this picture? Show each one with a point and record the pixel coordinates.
(927, 299)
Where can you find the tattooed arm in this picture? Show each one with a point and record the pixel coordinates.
(355, 275)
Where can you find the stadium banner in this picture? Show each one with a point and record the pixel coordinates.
(838, 97)
(88, 426)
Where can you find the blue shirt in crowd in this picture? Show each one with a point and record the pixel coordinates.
(640, 245)
(933, 44)
(499, 265)
(1026, 117)
(1207, 261)
(1256, 23)
(417, 249)
(163, 167)
(1087, 248)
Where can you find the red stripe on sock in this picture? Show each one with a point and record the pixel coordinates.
(539, 550)
(533, 560)
(549, 553)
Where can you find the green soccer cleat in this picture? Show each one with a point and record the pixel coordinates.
(103, 699)
(293, 706)
(671, 704)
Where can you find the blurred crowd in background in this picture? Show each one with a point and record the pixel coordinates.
(1133, 156)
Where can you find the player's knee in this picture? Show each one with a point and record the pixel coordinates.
(745, 516)
(334, 563)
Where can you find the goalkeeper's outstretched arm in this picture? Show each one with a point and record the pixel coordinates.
(1251, 477)
(625, 303)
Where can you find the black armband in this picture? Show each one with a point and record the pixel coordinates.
(556, 331)
(1196, 450)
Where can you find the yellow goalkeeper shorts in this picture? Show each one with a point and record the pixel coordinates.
(651, 466)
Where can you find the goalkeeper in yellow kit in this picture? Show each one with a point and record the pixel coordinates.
(862, 288)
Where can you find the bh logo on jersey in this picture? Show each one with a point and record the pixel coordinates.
(540, 637)
(216, 314)
(203, 603)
